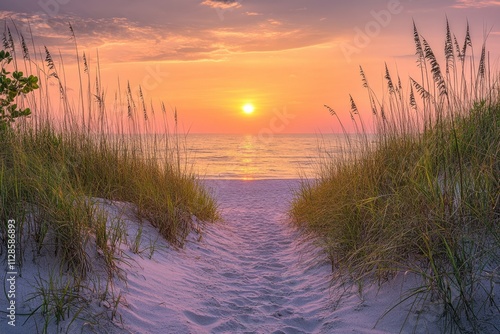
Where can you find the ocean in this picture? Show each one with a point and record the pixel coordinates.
(253, 157)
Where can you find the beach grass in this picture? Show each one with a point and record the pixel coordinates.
(425, 197)
(58, 163)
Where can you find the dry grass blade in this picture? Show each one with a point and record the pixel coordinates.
(467, 42)
(418, 46)
(482, 63)
(363, 77)
(435, 69)
(413, 102)
(354, 108)
(420, 89)
(448, 49)
(460, 56)
(387, 76)
(26, 52)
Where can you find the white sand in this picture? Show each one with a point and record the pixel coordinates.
(249, 274)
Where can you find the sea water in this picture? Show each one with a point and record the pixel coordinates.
(252, 157)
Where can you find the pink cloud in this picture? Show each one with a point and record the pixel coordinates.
(222, 4)
(476, 4)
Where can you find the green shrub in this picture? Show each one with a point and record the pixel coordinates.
(13, 85)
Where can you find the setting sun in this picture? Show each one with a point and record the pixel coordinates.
(248, 108)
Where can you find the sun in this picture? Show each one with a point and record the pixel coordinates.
(248, 108)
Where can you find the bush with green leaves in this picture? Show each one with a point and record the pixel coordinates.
(13, 85)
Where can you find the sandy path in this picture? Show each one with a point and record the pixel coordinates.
(263, 282)
(248, 274)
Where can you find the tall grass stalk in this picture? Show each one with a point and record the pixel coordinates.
(426, 197)
(54, 165)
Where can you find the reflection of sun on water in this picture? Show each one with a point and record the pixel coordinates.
(248, 144)
(247, 166)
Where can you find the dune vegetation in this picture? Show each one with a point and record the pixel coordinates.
(425, 197)
(58, 158)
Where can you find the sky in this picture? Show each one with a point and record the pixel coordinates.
(208, 58)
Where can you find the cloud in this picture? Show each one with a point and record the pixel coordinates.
(222, 4)
(202, 37)
(274, 22)
(125, 30)
(118, 39)
(476, 4)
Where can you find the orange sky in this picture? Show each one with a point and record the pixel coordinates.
(209, 58)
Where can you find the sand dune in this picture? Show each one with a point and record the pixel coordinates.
(251, 273)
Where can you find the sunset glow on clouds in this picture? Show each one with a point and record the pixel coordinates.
(476, 4)
(222, 4)
(210, 57)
